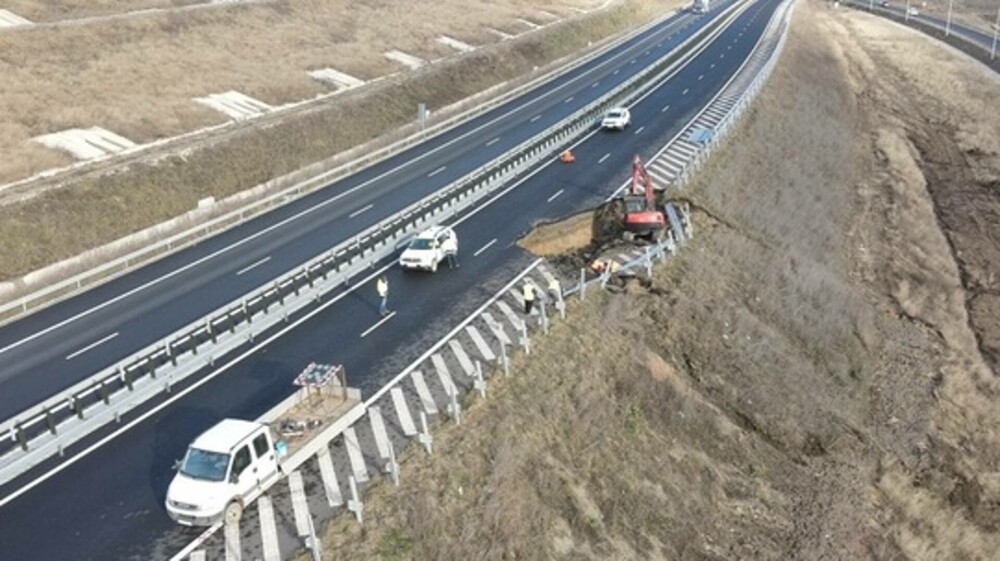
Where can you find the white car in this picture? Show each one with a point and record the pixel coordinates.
(429, 248)
(913, 12)
(617, 118)
(220, 472)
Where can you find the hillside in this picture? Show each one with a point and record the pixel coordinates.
(809, 379)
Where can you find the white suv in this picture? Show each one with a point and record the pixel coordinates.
(429, 248)
(617, 118)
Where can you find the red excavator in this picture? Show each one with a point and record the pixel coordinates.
(642, 219)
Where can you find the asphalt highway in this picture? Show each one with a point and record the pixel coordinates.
(107, 503)
(68, 342)
(898, 9)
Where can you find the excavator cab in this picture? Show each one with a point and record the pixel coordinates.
(642, 219)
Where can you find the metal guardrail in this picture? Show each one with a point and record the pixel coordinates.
(45, 429)
(680, 222)
(957, 36)
(67, 287)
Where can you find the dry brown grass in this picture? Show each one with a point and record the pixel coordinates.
(96, 209)
(800, 383)
(138, 77)
(54, 10)
(562, 237)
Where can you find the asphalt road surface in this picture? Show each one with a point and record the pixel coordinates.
(55, 348)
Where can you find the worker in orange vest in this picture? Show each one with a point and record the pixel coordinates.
(567, 157)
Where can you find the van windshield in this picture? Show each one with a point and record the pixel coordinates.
(210, 466)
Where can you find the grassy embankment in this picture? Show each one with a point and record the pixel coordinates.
(800, 383)
(96, 208)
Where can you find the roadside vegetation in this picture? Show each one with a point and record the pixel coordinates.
(44, 224)
(806, 380)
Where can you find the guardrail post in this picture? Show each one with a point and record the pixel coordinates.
(77, 407)
(583, 284)
(150, 367)
(424, 436)
(354, 504)
(454, 407)
(127, 378)
(172, 353)
(210, 330)
(22, 438)
(543, 318)
(393, 465)
(504, 361)
(50, 422)
(194, 344)
(525, 339)
(480, 382)
(104, 393)
(246, 312)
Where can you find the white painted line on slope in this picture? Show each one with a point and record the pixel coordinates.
(91, 346)
(377, 325)
(604, 157)
(555, 195)
(595, 84)
(632, 61)
(615, 73)
(494, 141)
(712, 65)
(162, 405)
(360, 210)
(639, 130)
(318, 206)
(535, 118)
(484, 248)
(664, 110)
(253, 266)
(437, 171)
(568, 99)
(685, 91)
(700, 76)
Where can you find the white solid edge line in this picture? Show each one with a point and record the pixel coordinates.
(555, 195)
(322, 204)
(378, 324)
(91, 346)
(236, 360)
(494, 141)
(437, 171)
(174, 397)
(253, 266)
(485, 247)
(604, 157)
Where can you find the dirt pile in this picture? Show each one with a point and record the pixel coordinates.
(804, 381)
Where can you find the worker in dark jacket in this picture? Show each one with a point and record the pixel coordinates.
(529, 296)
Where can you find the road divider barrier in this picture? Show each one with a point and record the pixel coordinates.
(745, 85)
(47, 429)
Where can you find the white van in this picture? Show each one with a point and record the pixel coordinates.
(221, 472)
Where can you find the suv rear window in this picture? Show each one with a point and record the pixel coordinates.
(260, 445)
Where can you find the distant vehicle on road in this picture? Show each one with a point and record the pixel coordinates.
(220, 470)
(700, 7)
(884, 3)
(618, 118)
(429, 249)
(913, 12)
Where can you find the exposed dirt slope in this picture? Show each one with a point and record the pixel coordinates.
(802, 382)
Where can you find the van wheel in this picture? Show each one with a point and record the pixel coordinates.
(233, 513)
(434, 266)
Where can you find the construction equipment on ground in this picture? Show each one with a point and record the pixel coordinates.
(642, 218)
